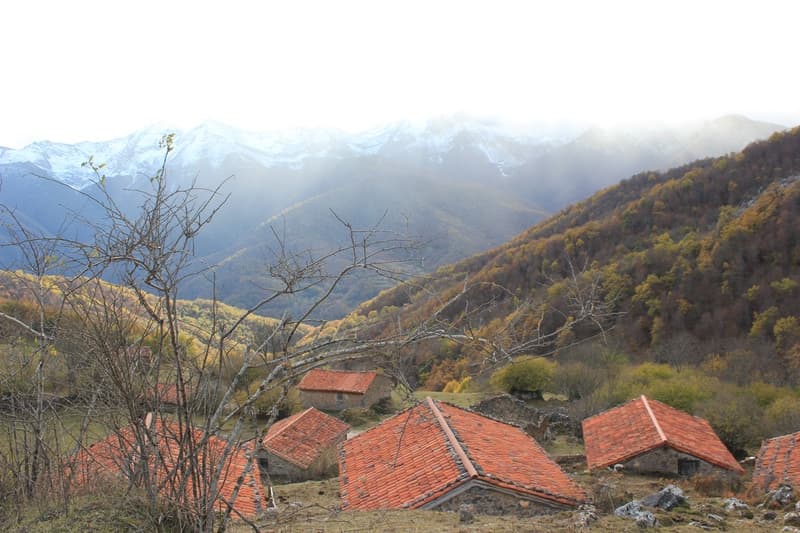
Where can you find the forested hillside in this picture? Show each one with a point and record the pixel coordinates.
(699, 260)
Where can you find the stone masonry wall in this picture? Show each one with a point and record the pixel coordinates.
(541, 424)
(281, 469)
(665, 461)
(326, 466)
(492, 502)
(330, 401)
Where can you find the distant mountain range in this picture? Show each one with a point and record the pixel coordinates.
(462, 184)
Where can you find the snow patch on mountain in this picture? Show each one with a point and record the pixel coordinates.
(140, 153)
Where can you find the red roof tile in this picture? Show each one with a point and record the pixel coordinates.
(642, 425)
(336, 381)
(302, 438)
(116, 456)
(421, 454)
(778, 463)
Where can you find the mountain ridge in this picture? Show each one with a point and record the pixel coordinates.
(468, 182)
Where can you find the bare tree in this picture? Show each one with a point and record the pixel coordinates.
(30, 417)
(150, 254)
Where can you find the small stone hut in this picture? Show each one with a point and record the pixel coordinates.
(778, 463)
(648, 436)
(438, 456)
(333, 390)
(303, 446)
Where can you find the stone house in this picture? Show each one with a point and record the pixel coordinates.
(438, 456)
(778, 463)
(303, 446)
(333, 390)
(648, 436)
(116, 457)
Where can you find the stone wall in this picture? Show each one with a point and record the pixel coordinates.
(665, 460)
(279, 469)
(486, 500)
(381, 388)
(330, 401)
(326, 466)
(541, 424)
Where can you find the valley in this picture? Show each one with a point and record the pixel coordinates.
(454, 186)
(680, 284)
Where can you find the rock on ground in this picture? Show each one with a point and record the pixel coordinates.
(586, 515)
(734, 504)
(634, 511)
(780, 497)
(667, 498)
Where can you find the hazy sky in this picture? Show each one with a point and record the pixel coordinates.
(85, 70)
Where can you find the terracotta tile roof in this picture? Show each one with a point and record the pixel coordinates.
(302, 438)
(336, 381)
(116, 456)
(778, 463)
(421, 454)
(642, 425)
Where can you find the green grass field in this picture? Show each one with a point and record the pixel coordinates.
(461, 399)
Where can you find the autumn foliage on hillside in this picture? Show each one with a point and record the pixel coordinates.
(705, 253)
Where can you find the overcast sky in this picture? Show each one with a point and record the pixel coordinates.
(83, 70)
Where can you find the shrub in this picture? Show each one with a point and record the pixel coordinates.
(647, 373)
(532, 374)
(783, 415)
(576, 380)
(446, 371)
(737, 419)
(264, 404)
(384, 406)
(357, 416)
(683, 390)
(766, 394)
(456, 386)
(465, 385)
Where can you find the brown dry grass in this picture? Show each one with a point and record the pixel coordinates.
(313, 506)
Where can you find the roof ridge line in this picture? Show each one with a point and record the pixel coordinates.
(290, 424)
(653, 418)
(473, 473)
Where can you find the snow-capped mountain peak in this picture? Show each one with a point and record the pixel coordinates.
(211, 142)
